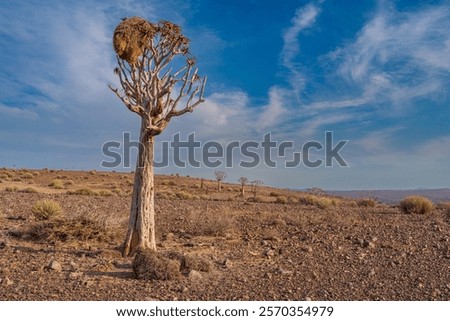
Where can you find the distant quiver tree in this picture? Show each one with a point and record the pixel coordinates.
(156, 87)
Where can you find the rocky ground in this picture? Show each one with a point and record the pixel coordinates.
(274, 247)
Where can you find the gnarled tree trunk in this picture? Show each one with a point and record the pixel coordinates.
(141, 226)
(151, 89)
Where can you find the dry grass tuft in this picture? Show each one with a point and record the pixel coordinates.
(11, 189)
(416, 204)
(56, 184)
(366, 202)
(185, 195)
(210, 224)
(29, 190)
(193, 262)
(81, 227)
(281, 200)
(84, 192)
(46, 209)
(319, 201)
(152, 265)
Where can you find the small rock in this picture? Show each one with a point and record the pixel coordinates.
(372, 272)
(195, 275)
(169, 236)
(308, 298)
(368, 244)
(88, 283)
(227, 263)
(264, 243)
(6, 281)
(74, 266)
(184, 289)
(285, 272)
(306, 248)
(55, 266)
(269, 253)
(267, 275)
(436, 292)
(75, 275)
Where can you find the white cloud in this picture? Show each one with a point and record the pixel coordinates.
(17, 113)
(303, 19)
(396, 57)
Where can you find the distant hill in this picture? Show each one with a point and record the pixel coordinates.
(395, 196)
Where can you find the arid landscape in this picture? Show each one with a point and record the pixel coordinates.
(275, 245)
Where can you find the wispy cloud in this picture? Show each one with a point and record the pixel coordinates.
(304, 18)
(395, 58)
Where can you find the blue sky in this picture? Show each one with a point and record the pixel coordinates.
(375, 73)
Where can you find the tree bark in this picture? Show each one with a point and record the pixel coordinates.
(141, 226)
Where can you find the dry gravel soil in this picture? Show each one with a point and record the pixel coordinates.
(270, 248)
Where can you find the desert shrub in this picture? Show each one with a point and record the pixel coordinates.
(27, 176)
(80, 228)
(46, 209)
(323, 202)
(308, 200)
(209, 224)
(152, 265)
(281, 200)
(366, 202)
(416, 204)
(445, 206)
(84, 192)
(292, 199)
(335, 201)
(320, 202)
(56, 184)
(11, 189)
(184, 195)
(256, 199)
(274, 194)
(16, 179)
(105, 193)
(168, 183)
(193, 262)
(165, 195)
(69, 182)
(29, 190)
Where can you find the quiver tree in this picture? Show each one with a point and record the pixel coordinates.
(243, 181)
(255, 186)
(220, 176)
(151, 88)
